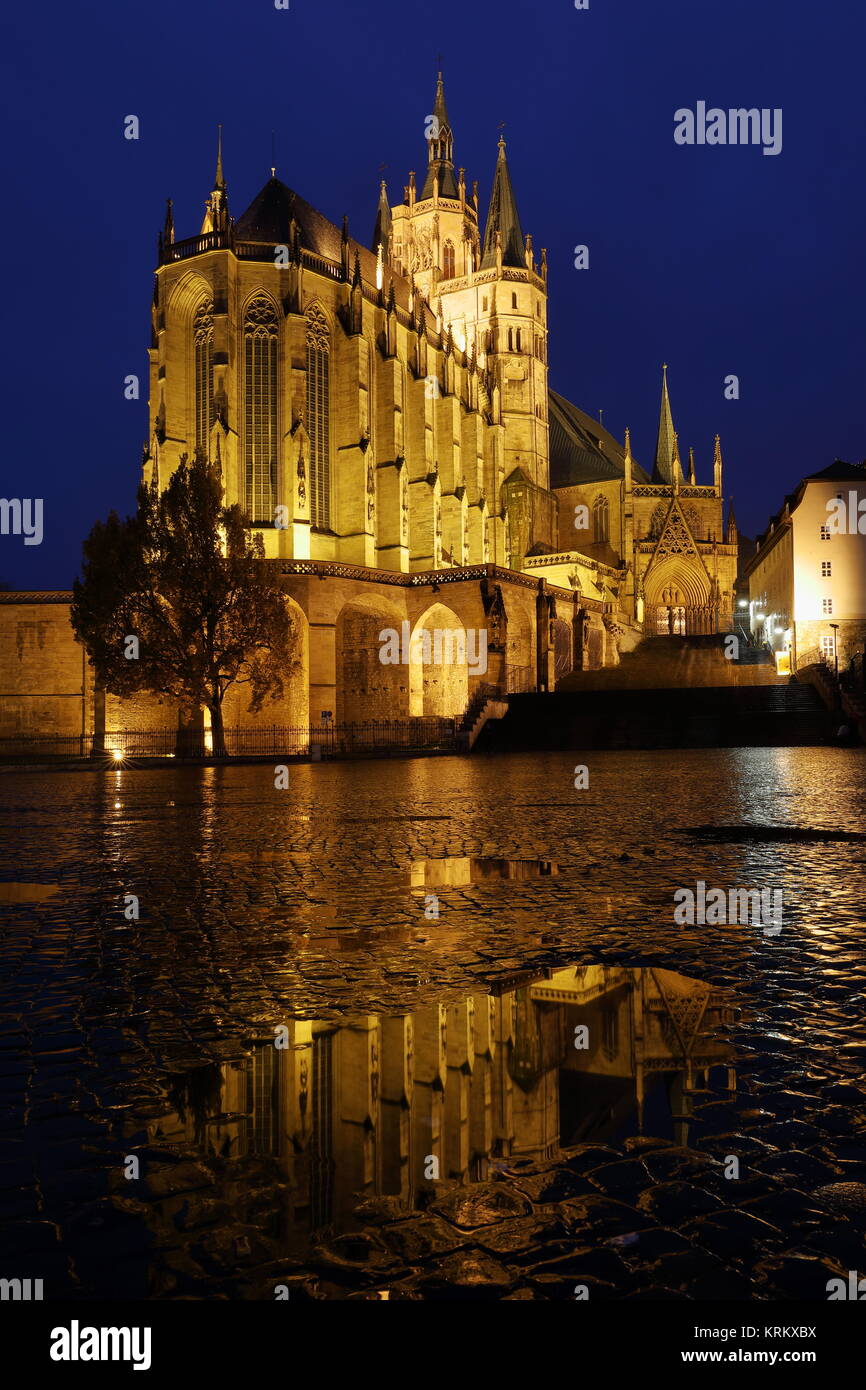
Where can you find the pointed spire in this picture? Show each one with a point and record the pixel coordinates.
(717, 467)
(663, 468)
(503, 219)
(440, 110)
(168, 227)
(219, 181)
(344, 248)
(628, 461)
(731, 534)
(216, 214)
(692, 480)
(676, 465)
(440, 149)
(382, 229)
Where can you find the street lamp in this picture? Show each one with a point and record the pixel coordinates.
(835, 627)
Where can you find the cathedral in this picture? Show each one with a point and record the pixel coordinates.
(382, 413)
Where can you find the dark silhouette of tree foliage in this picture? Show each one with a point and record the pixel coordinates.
(188, 579)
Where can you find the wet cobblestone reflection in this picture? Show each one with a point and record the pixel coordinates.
(452, 1039)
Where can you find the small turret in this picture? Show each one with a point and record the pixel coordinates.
(628, 461)
(216, 208)
(382, 229)
(731, 533)
(440, 150)
(676, 465)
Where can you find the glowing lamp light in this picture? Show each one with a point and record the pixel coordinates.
(744, 603)
(117, 755)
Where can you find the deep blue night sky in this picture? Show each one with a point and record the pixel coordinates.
(716, 260)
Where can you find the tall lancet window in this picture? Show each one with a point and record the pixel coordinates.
(600, 519)
(318, 416)
(260, 408)
(448, 261)
(202, 336)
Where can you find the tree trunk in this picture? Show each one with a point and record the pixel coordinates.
(218, 737)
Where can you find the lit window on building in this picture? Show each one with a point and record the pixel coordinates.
(204, 402)
(827, 648)
(318, 416)
(827, 606)
(825, 533)
(260, 408)
(825, 569)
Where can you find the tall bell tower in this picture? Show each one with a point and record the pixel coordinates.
(490, 296)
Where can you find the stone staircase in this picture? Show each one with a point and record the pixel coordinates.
(748, 716)
(668, 693)
(486, 703)
(661, 663)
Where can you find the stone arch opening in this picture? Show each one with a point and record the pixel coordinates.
(292, 709)
(677, 599)
(370, 684)
(438, 665)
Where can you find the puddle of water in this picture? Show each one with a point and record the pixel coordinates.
(459, 872)
(383, 1105)
(27, 892)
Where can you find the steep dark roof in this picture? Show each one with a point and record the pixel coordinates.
(447, 180)
(839, 472)
(268, 219)
(503, 217)
(581, 449)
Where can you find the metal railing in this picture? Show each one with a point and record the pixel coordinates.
(812, 656)
(519, 680)
(428, 732)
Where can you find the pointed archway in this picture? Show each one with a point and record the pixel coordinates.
(678, 591)
(438, 664)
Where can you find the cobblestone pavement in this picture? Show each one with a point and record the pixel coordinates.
(259, 906)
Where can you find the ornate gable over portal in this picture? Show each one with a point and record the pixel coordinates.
(676, 537)
(678, 592)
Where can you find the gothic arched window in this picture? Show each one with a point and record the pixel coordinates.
(448, 260)
(600, 519)
(202, 336)
(260, 409)
(318, 416)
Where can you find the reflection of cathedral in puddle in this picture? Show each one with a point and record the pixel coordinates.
(380, 1105)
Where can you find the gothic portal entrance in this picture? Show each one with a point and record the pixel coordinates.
(678, 601)
(671, 620)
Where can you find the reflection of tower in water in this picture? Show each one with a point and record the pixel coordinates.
(389, 1105)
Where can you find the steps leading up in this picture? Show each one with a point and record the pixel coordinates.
(664, 663)
(784, 714)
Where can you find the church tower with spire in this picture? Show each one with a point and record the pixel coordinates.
(489, 299)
